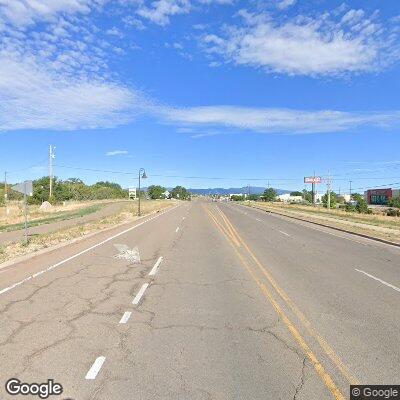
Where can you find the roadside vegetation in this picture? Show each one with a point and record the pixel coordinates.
(127, 214)
(72, 189)
(38, 217)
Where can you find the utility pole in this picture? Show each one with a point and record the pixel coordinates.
(5, 191)
(350, 188)
(52, 156)
(329, 191)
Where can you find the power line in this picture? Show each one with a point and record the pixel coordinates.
(216, 177)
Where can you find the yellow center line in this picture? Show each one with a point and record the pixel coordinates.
(293, 330)
(307, 324)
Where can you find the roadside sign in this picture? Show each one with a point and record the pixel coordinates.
(132, 193)
(312, 179)
(24, 188)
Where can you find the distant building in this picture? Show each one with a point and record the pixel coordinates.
(287, 198)
(380, 196)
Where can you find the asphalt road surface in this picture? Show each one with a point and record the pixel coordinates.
(204, 301)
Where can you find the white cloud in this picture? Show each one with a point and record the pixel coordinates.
(307, 46)
(282, 4)
(33, 97)
(272, 120)
(116, 152)
(54, 69)
(114, 31)
(160, 10)
(22, 13)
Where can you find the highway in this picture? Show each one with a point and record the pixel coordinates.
(205, 300)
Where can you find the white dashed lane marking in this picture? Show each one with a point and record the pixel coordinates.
(125, 317)
(138, 297)
(379, 280)
(156, 265)
(95, 368)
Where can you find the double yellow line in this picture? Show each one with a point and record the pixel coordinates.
(238, 244)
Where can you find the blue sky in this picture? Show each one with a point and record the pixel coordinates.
(242, 91)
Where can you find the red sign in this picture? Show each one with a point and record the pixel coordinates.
(312, 179)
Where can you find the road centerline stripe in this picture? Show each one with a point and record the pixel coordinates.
(284, 233)
(177, 229)
(324, 375)
(139, 295)
(156, 265)
(95, 368)
(125, 317)
(379, 280)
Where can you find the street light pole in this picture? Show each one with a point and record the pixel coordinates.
(142, 175)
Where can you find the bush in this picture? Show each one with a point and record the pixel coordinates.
(393, 212)
(394, 202)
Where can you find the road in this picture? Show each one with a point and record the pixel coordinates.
(204, 301)
(106, 210)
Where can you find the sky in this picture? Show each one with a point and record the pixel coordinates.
(202, 93)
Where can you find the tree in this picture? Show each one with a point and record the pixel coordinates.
(253, 197)
(269, 194)
(333, 202)
(296, 193)
(180, 192)
(156, 191)
(361, 205)
(237, 197)
(307, 195)
(394, 202)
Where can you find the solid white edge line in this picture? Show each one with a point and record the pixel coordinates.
(156, 265)
(83, 251)
(95, 368)
(140, 293)
(125, 317)
(379, 280)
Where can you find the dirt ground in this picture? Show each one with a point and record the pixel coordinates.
(128, 213)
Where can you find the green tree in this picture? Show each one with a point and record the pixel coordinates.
(180, 192)
(307, 195)
(334, 200)
(394, 202)
(361, 205)
(269, 194)
(156, 191)
(253, 197)
(296, 193)
(237, 197)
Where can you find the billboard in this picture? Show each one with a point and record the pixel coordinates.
(312, 179)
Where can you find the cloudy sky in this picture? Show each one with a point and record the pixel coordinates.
(237, 91)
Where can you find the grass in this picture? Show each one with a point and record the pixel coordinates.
(54, 217)
(9, 251)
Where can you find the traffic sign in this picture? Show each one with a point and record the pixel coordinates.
(24, 188)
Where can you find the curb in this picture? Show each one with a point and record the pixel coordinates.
(332, 227)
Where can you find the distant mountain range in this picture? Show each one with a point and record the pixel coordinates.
(243, 190)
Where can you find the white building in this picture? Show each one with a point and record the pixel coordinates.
(287, 198)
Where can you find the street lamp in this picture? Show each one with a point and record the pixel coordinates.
(142, 175)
